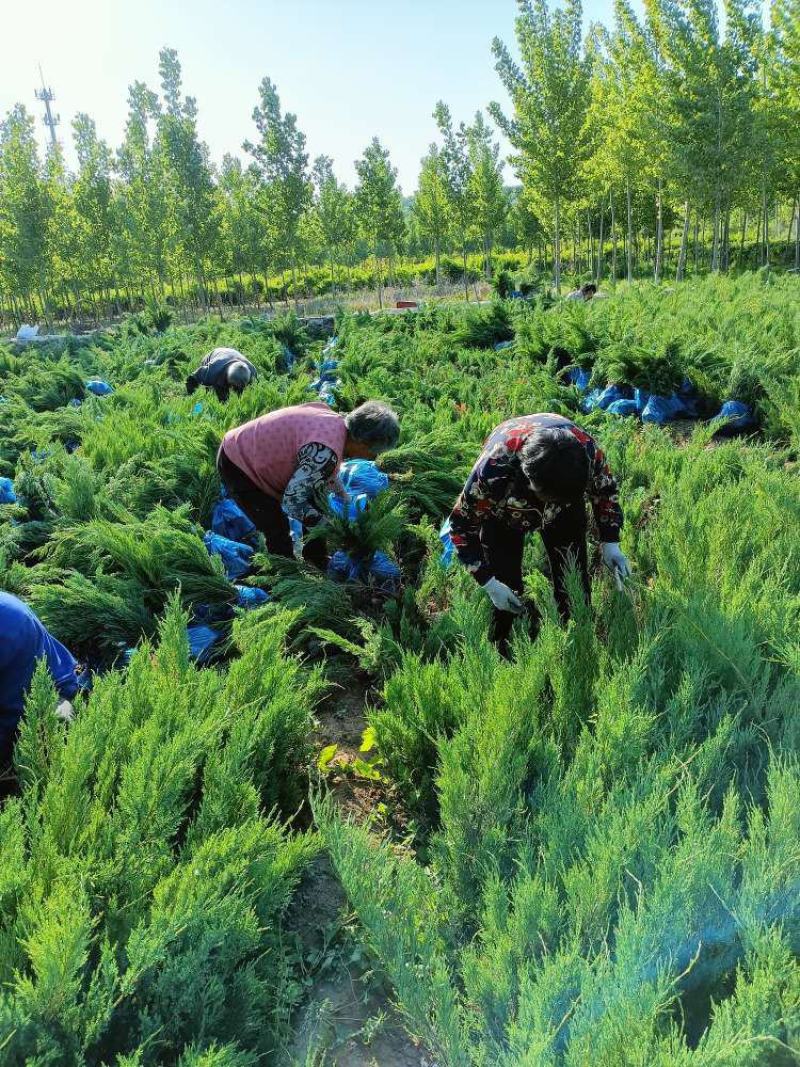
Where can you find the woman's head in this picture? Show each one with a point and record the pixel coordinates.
(556, 464)
(372, 428)
(238, 376)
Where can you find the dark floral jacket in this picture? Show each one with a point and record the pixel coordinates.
(497, 489)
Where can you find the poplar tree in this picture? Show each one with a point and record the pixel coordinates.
(431, 208)
(458, 177)
(489, 200)
(550, 98)
(379, 205)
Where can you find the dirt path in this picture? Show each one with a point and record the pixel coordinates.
(346, 1017)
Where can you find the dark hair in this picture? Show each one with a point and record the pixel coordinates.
(589, 287)
(555, 463)
(375, 425)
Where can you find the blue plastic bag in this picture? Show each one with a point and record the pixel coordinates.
(99, 387)
(362, 476)
(342, 568)
(201, 641)
(623, 407)
(235, 556)
(384, 573)
(327, 365)
(448, 548)
(501, 346)
(641, 397)
(737, 415)
(516, 294)
(75, 403)
(611, 394)
(250, 597)
(350, 510)
(197, 409)
(228, 520)
(580, 378)
(288, 357)
(662, 409)
(590, 401)
(7, 494)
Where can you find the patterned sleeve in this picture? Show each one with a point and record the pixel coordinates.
(473, 506)
(315, 465)
(604, 496)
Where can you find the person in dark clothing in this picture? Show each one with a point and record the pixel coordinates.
(23, 642)
(222, 370)
(534, 474)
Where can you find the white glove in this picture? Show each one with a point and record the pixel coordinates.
(616, 561)
(65, 711)
(503, 598)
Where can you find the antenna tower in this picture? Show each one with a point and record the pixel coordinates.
(46, 95)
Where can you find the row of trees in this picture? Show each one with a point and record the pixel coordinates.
(621, 138)
(156, 216)
(668, 118)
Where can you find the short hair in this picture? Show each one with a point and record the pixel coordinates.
(555, 463)
(238, 376)
(589, 287)
(374, 424)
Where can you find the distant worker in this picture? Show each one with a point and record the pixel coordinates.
(586, 292)
(222, 370)
(280, 465)
(534, 474)
(23, 642)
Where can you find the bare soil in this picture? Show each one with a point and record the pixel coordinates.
(346, 1017)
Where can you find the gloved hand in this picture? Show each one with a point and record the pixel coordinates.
(65, 711)
(503, 598)
(616, 561)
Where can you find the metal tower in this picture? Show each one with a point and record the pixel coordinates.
(46, 95)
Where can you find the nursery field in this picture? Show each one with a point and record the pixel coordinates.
(588, 853)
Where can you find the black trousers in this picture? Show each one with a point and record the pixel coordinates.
(8, 780)
(266, 514)
(564, 541)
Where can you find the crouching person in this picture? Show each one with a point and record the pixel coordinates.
(278, 467)
(23, 642)
(534, 474)
(222, 370)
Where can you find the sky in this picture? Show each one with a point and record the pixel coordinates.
(349, 69)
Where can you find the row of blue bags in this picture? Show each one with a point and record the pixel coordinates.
(649, 407)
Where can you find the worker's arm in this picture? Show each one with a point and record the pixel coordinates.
(604, 496)
(316, 464)
(61, 665)
(473, 506)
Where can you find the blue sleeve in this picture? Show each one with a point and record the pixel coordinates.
(23, 642)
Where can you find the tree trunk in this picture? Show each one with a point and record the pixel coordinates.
(659, 233)
(726, 239)
(613, 241)
(557, 248)
(466, 273)
(715, 234)
(600, 264)
(437, 252)
(741, 242)
(766, 225)
(696, 241)
(681, 268)
(629, 226)
(797, 234)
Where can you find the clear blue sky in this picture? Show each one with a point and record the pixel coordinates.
(349, 69)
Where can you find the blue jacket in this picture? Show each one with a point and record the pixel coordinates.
(23, 642)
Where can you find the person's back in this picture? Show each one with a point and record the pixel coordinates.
(221, 370)
(266, 448)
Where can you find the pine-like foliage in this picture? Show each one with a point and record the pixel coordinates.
(141, 884)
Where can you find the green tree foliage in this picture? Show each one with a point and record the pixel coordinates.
(380, 205)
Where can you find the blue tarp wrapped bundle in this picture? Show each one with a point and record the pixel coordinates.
(580, 378)
(248, 596)
(736, 417)
(288, 357)
(201, 642)
(99, 387)
(235, 556)
(501, 346)
(663, 409)
(228, 520)
(363, 482)
(625, 408)
(7, 494)
(448, 548)
(75, 403)
(602, 399)
(377, 570)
